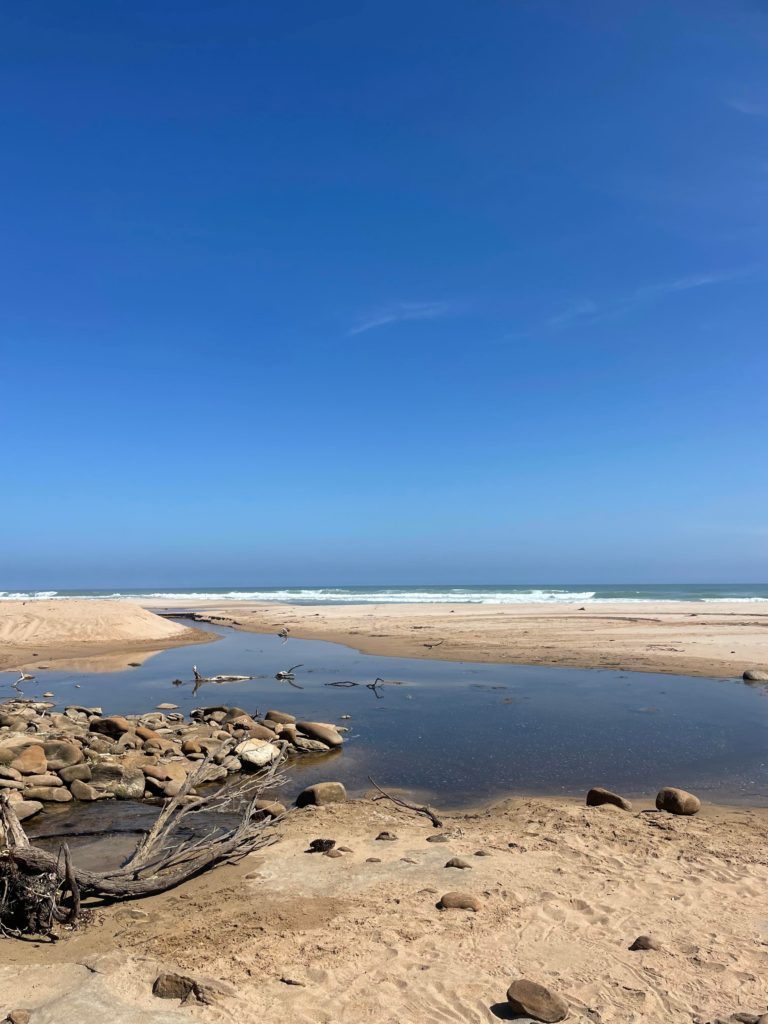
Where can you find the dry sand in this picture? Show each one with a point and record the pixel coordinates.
(366, 944)
(699, 639)
(67, 631)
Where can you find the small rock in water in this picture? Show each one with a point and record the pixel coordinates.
(167, 707)
(597, 796)
(457, 862)
(537, 1001)
(438, 839)
(387, 837)
(48, 694)
(756, 675)
(677, 801)
(645, 942)
(459, 901)
(322, 845)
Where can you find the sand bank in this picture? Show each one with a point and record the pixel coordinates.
(564, 892)
(682, 638)
(70, 630)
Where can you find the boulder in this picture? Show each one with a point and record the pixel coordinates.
(190, 745)
(597, 796)
(530, 999)
(179, 986)
(81, 772)
(27, 808)
(122, 782)
(271, 808)
(15, 783)
(48, 794)
(756, 675)
(114, 726)
(310, 746)
(6, 772)
(145, 733)
(323, 731)
(256, 731)
(677, 801)
(322, 793)
(82, 791)
(257, 753)
(61, 754)
(281, 717)
(157, 772)
(459, 901)
(31, 761)
(167, 707)
(43, 780)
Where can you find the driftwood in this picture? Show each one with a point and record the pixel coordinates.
(219, 679)
(39, 889)
(436, 822)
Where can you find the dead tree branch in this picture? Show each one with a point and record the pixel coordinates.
(436, 822)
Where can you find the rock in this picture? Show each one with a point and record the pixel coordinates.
(322, 793)
(114, 726)
(483, 853)
(387, 837)
(145, 733)
(61, 754)
(459, 901)
(373, 860)
(9, 773)
(457, 862)
(281, 717)
(257, 753)
(82, 791)
(16, 783)
(677, 801)
(172, 788)
(79, 772)
(321, 845)
(167, 707)
(322, 731)
(597, 796)
(255, 731)
(438, 839)
(154, 771)
(756, 675)
(43, 780)
(121, 781)
(272, 808)
(645, 942)
(536, 1001)
(302, 743)
(27, 808)
(202, 990)
(333, 853)
(49, 794)
(191, 746)
(31, 761)
(19, 1016)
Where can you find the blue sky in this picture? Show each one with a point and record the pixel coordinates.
(356, 292)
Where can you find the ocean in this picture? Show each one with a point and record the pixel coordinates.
(489, 594)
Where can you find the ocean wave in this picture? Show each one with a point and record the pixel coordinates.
(34, 595)
(383, 596)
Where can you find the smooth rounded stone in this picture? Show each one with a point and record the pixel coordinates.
(267, 723)
(323, 731)
(123, 782)
(302, 743)
(43, 780)
(191, 746)
(536, 1001)
(457, 862)
(156, 772)
(677, 801)
(62, 753)
(333, 853)
(290, 733)
(48, 794)
(322, 793)
(172, 788)
(167, 707)
(483, 853)
(597, 796)
(7, 772)
(82, 791)
(145, 733)
(113, 726)
(281, 717)
(645, 942)
(756, 675)
(386, 837)
(15, 783)
(232, 764)
(27, 808)
(438, 839)
(19, 1016)
(31, 761)
(373, 860)
(459, 901)
(81, 772)
(179, 986)
(259, 732)
(272, 808)
(257, 753)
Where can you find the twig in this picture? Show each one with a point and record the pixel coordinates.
(436, 822)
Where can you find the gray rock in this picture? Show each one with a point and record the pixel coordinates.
(122, 782)
(302, 743)
(61, 754)
(459, 901)
(322, 793)
(322, 731)
(597, 796)
(536, 1001)
(27, 808)
(756, 675)
(81, 772)
(281, 717)
(257, 753)
(677, 801)
(201, 990)
(82, 791)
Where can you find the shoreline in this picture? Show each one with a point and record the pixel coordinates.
(677, 638)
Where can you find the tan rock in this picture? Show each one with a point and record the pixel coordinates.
(459, 901)
(322, 793)
(530, 999)
(48, 794)
(677, 801)
(598, 796)
(323, 731)
(31, 761)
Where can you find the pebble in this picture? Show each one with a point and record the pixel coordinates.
(333, 853)
(387, 837)
(537, 1001)
(482, 853)
(457, 862)
(459, 901)
(373, 860)
(438, 839)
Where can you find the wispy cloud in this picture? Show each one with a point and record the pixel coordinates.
(586, 310)
(753, 108)
(398, 312)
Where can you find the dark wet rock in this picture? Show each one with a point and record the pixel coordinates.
(645, 942)
(537, 1001)
(322, 731)
(677, 801)
(79, 772)
(62, 754)
(597, 796)
(322, 793)
(322, 845)
(457, 862)
(459, 901)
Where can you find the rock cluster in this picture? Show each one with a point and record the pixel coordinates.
(47, 756)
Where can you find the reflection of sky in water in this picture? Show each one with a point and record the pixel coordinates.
(461, 732)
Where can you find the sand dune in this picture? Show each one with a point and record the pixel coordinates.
(74, 628)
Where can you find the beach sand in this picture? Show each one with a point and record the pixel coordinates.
(108, 633)
(563, 894)
(697, 639)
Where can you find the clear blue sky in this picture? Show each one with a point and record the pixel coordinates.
(353, 292)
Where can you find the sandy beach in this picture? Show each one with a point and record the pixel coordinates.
(719, 639)
(563, 892)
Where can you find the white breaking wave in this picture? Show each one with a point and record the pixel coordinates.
(344, 596)
(34, 595)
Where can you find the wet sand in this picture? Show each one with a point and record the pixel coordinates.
(563, 893)
(690, 638)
